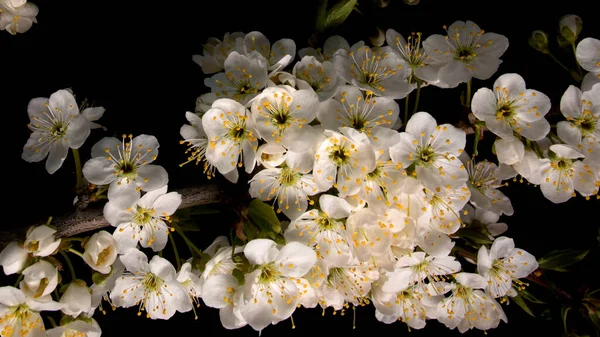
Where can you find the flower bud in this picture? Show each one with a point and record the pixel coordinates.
(76, 299)
(539, 41)
(271, 155)
(100, 252)
(570, 27)
(39, 279)
(40, 241)
(378, 38)
(13, 258)
(412, 2)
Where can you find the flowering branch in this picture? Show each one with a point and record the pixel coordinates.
(82, 221)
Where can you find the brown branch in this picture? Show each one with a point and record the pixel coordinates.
(81, 221)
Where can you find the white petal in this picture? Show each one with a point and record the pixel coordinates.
(13, 258)
(509, 150)
(99, 171)
(484, 261)
(295, 259)
(58, 153)
(217, 288)
(93, 113)
(261, 251)
(78, 131)
(148, 200)
(471, 280)
(162, 268)
(151, 177)
(501, 247)
(588, 54)
(135, 261)
(570, 103)
(11, 296)
(335, 207)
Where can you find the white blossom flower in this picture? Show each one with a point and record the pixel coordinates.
(76, 299)
(204, 102)
(369, 236)
(582, 128)
(483, 219)
(215, 52)
(197, 141)
(225, 294)
(126, 164)
(324, 231)
(529, 167)
(39, 242)
(270, 295)
(150, 285)
(278, 56)
(56, 125)
(304, 161)
(413, 305)
(282, 114)
(231, 135)
(77, 328)
(379, 70)
(39, 280)
(348, 284)
(468, 307)
(289, 188)
(19, 313)
(588, 56)
(342, 161)
(221, 263)
(17, 16)
(100, 252)
(242, 79)
(191, 283)
(414, 55)
(416, 268)
(511, 108)
(142, 219)
(367, 114)
(484, 180)
(562, 173)
(432, 150)
(465, 52)
(101, 290)
(331, 46)
(503, 265)
(321, 77)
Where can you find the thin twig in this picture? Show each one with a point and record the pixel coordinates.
(92, 218)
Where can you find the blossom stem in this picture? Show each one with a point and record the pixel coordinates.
(48, 221)
(559, 63)
(71, 250)
(69, 264)
(476, 141)
(172, 239)
(193, 249)
(468, 98)
(405, 111)
(416, 107)
(51, 320)
(18, 280)
(78, 170)
(293, 325)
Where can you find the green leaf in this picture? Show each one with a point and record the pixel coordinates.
(521, 303)
(339, 12)
(474, 235)
(558, 260)
(263, 216)
(321, 16)
(526, 295)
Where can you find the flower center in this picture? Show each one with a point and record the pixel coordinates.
(324, 223)
(59, 129)
(268, 274)
(426, 155)
(358, 123)
(104, 254)
(152, 282)
(288, 177)
(465, 54)
(339, 155)
(142, 216)
(126, 168)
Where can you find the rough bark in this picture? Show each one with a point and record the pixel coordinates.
(90, 219)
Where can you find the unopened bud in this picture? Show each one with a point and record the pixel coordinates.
(378, 38)
(412, 2)
(569, 27)
(381, 3)
(539, 41)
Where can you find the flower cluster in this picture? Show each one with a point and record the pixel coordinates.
(373, 205)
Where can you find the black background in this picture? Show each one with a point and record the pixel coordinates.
(135, 59)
